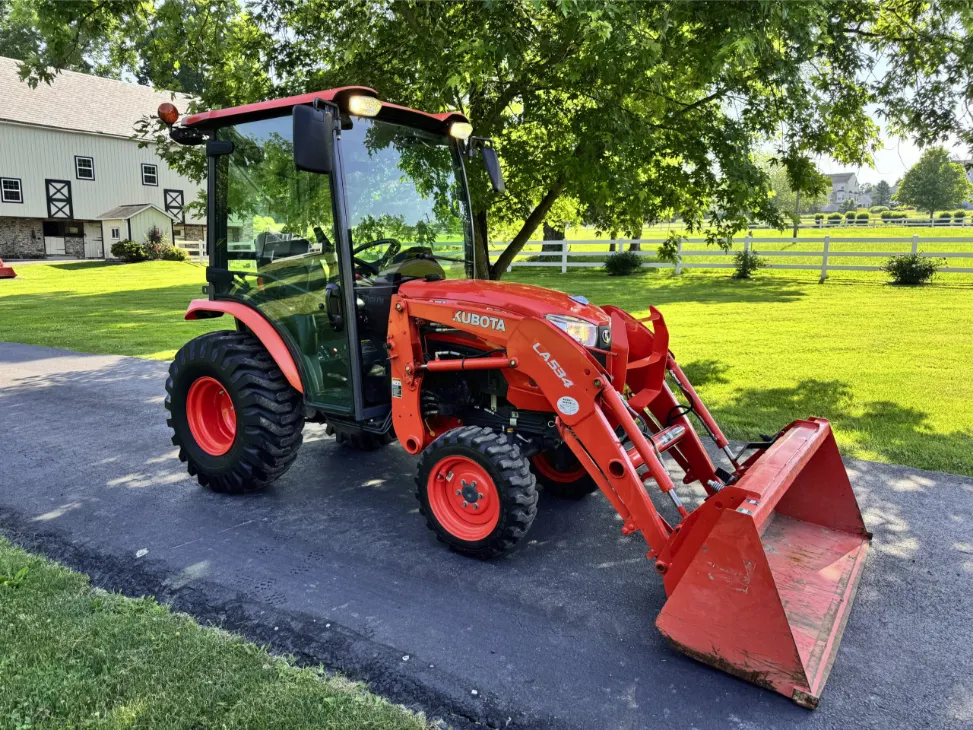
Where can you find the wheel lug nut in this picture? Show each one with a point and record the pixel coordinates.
(465, 504)
(459, 492)
(479, 496)
(476, 506)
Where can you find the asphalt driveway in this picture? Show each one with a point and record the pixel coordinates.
(334, 564)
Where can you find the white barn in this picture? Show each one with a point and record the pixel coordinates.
(68, 158)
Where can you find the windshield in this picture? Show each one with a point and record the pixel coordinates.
(407, 208)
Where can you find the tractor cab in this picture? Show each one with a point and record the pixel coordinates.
(320, 207)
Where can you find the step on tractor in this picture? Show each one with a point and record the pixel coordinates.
(340, 242)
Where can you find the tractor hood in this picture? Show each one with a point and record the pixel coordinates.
(524, 299)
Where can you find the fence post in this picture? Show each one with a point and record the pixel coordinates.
(824, 259)
(679, 257)
(564, 256)
(746, 243)
(915, 243)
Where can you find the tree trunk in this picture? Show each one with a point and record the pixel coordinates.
(552, 234)
(535, 218)
(636, 246)
(481, 245)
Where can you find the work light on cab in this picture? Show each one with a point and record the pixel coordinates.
(581, 330)
(460, 130)
(364, 106)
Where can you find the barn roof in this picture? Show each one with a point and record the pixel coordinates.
(79, 102)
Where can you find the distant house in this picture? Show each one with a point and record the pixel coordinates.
(71, 170)
(845, 187)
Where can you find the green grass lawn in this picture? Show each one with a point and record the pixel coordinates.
(889, 366)
(76, 657)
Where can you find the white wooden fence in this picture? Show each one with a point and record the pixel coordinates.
(564, 258)
(195, 249)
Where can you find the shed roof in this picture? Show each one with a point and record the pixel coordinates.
(79, 102)
(841, 177)
(124, 212)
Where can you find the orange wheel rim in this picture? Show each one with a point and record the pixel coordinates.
(542, 462)
(211, 416)
(463, 498)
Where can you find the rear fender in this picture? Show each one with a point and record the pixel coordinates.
(261, 328)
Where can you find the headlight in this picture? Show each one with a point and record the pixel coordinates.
(580, 329)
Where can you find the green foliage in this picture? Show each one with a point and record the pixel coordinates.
(746, 264)
(934, 182)
(174, 253)
(129, 251)
(878, 209)
(849, 206)
(911, 269)
(834, 217)
(668, 251)
(623, 263)
(959, 215)
(882, 194)
(945, 216)
(818, 217)
(862, 218)
(630, 111)
(850, 215)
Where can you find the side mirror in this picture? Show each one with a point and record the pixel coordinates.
(492, 164)
(313, 139)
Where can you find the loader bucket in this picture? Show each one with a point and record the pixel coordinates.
(6, 272)
(767, 581)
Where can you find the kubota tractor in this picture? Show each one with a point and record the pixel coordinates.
(340, 242)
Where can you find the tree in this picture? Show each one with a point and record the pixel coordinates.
(934, 183)
(637, 112)
(883, 193)
(40, 35)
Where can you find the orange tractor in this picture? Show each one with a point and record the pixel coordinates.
(340, 242)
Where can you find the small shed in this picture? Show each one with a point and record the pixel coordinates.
(133, 222)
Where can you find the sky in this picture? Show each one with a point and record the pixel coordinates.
(891, 161)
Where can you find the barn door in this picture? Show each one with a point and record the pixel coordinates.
(59, 203)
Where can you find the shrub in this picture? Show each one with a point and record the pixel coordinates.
(834, 217)
(746, 264)
(174, 253)
(945, 216)
(128, 251)
(818, 217)
(156, 244)
(878, 209)
(862, 219)
(623, 263)
(911, 269)
(850, 215)
(959, 215)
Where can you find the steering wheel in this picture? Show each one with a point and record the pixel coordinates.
(376, 266)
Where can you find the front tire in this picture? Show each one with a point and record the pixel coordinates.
(562, 475)
(476, 491)
(236, 420)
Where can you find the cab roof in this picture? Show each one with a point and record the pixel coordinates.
(279, 107)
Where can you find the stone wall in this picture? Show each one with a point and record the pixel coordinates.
(194, 233)
(22, 238)
(74, 246)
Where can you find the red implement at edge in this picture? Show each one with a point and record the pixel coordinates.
(6, 272)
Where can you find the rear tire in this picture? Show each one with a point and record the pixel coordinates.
(562, 475)
(259, 437)
(497, 499)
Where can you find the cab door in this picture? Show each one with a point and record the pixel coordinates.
(280, 252)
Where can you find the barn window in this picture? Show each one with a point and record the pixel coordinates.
(84, 168)
(150, 174)
(10, 190)
(115, 234)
